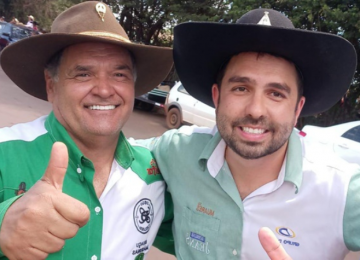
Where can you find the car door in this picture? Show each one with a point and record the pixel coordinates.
(347, 146)
(204, 115)
(187, 104)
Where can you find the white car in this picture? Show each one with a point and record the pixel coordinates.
(342, 139)
(180, 107)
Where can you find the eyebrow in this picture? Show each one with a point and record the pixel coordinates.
(239, 79)
(283, 87)
(279, 86)
(87, 68)
(82, 68)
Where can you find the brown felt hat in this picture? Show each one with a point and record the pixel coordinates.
(91, 21)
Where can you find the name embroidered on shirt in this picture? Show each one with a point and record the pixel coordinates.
(140, 248)
(196, 243)
(202, 209)
(154, 170)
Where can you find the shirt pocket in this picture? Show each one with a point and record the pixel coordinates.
(199, 235)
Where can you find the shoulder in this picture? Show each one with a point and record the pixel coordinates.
(24, 132)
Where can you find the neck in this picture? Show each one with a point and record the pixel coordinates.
(249, 175)
(100, 151)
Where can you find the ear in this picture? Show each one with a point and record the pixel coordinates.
(49, 86)
(215, 95)
(299, 108)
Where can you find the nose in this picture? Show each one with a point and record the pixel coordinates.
(255, 106)
(103, 87)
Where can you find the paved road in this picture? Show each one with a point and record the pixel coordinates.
(17, 106)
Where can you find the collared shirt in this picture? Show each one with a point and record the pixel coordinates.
(313, 207)
(123, 221)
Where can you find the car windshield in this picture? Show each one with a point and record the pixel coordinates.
(20, 33)
(353, 134)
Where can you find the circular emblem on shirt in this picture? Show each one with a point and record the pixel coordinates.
(143, 215)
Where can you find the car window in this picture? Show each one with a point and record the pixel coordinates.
(4, 28)
(353, 134)
(182, 89)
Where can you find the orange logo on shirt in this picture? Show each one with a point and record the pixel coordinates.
(202, 209)
(154, 170)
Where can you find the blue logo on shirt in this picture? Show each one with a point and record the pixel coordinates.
(197, 237)
(284, 231)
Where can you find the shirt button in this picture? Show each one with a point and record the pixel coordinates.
(94, 257)
(97, 209)
(78, 170)
(234, 252)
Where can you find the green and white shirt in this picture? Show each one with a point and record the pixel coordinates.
(123, 221)
(313, 207)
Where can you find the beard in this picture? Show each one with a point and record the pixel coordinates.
(248, 149)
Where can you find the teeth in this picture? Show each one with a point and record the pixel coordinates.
(101, 107)
(253, 130)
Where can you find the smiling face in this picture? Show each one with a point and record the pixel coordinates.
(257, 104)
(93, 93)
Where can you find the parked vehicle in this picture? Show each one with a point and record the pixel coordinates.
(10, 33)
(148, 101)
(180, 107)
(342, 139)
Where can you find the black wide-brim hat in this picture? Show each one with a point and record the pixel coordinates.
(90, 21)
(327, 62)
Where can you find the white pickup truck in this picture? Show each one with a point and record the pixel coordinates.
(181, 108)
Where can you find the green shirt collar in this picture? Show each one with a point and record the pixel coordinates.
(123, 154)
(293, 163)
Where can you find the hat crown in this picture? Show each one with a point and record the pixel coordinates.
(88, 17)
(257, 16)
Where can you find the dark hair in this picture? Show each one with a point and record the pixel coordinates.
(299, 78)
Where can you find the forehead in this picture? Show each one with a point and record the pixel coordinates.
(91, 51)
(248, 60)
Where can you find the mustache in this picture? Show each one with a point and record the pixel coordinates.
(249, 120)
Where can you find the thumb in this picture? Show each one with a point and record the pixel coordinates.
(58, 163)
(271, 245)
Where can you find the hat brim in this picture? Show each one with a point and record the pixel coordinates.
(25, 60)
(327, 62)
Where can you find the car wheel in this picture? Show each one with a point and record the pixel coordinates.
(173, 118)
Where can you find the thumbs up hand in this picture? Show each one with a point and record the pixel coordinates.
(38, 223)
(271, 245)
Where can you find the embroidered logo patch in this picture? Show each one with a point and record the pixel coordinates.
(143, 215)
(197, 242)
(204, 210)
(154, 170)
(140, 248)
(289, 234)
(22, 189)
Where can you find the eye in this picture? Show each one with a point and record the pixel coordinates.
(83, 75)
(239, 89)
(277, 94)
(119, 74)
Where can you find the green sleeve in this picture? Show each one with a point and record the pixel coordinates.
(3, 208)
(164, 239)
(352, 215)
